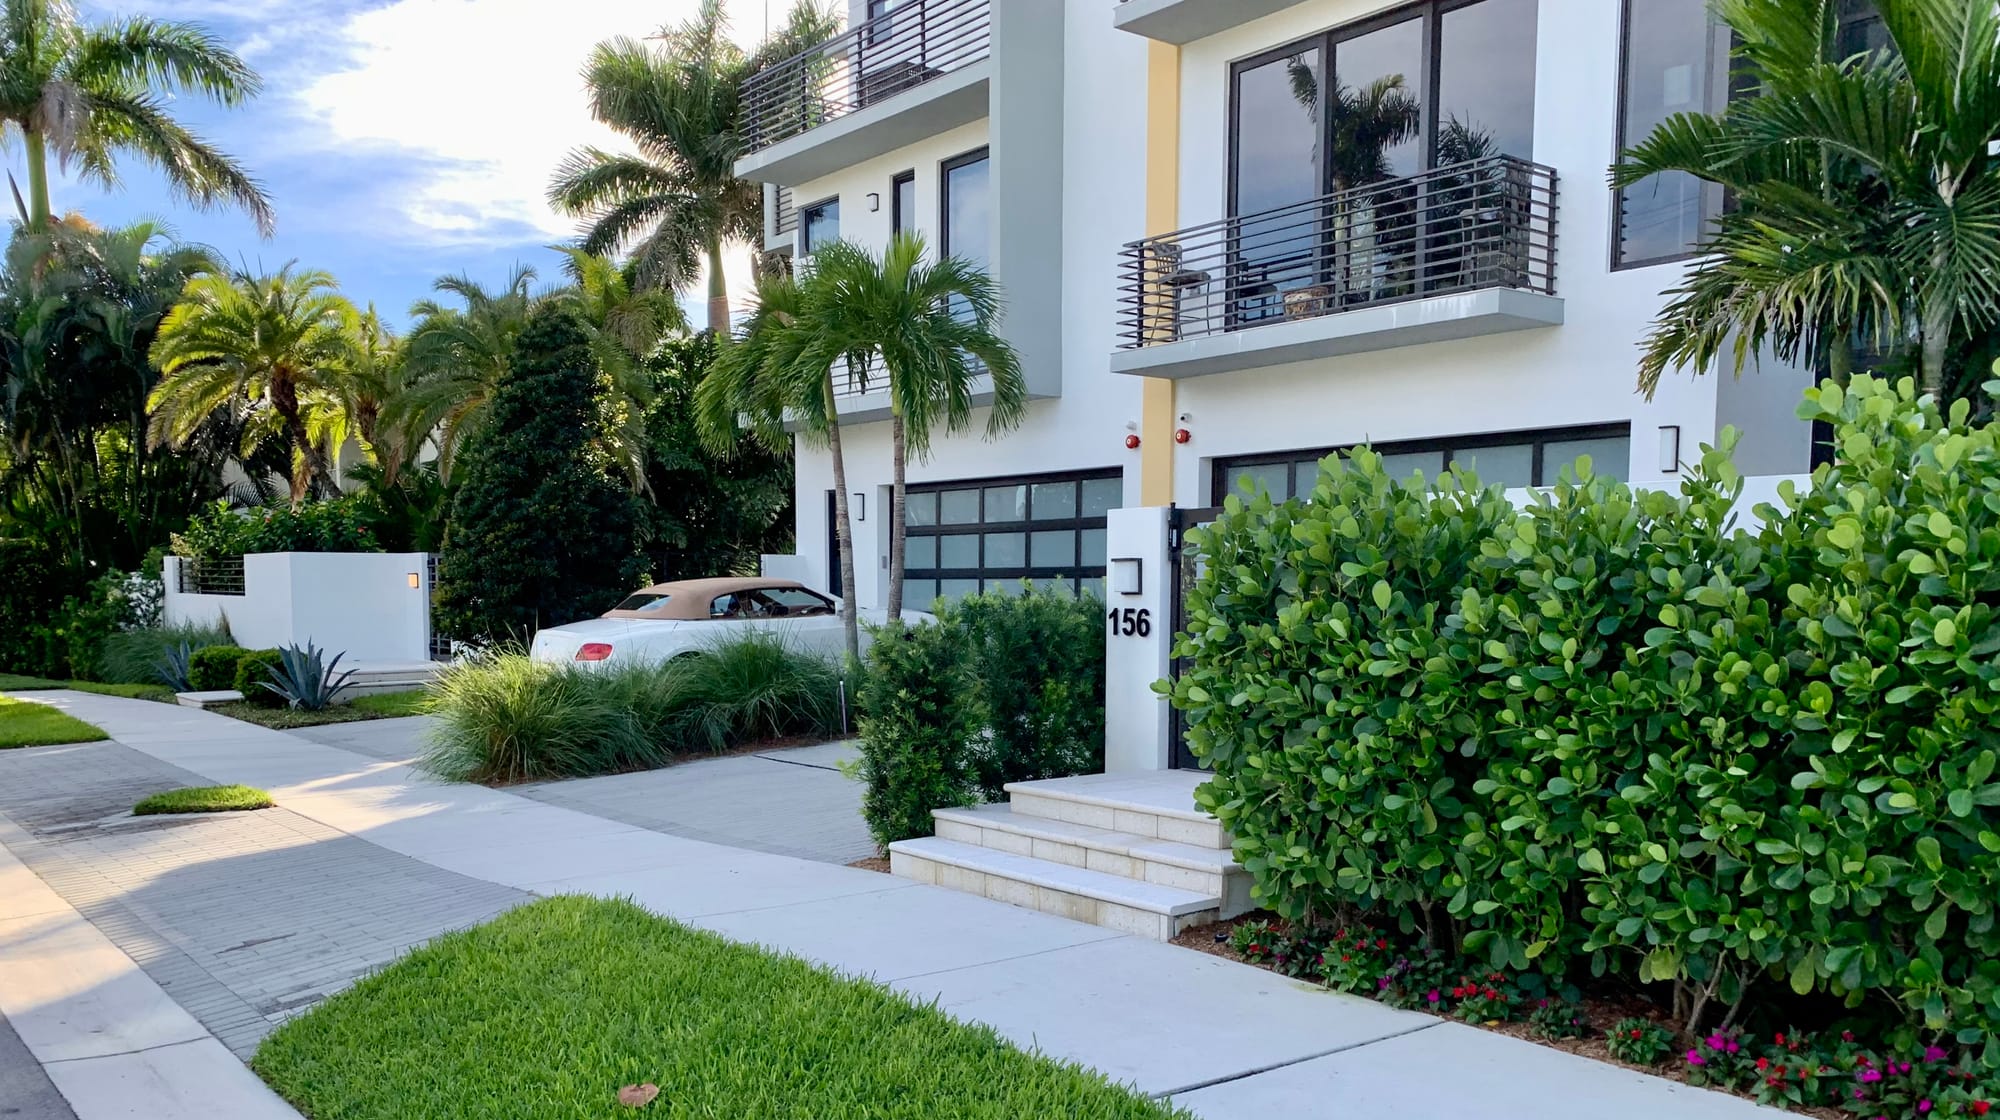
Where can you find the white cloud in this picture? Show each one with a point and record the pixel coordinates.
(484, 97)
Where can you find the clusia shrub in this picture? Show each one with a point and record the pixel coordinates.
(1611, 730)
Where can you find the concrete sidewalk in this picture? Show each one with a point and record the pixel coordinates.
(1223, 1039)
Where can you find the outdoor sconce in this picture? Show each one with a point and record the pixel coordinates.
(1670, 448)
(860, 506)
(413, 581)
(1128, 575)
(874, 202)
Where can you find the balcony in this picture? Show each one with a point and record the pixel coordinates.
(1459, 252)
(1183, 21)
(905, 75)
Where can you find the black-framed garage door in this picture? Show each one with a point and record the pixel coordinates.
(990, 534)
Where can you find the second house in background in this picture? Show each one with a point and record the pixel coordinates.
(1241, 235)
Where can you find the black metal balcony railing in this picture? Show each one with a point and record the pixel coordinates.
(898, 50)
(788, 215)
(1487, 223)
(211, 577)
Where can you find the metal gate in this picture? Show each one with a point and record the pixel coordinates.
(1186, 566)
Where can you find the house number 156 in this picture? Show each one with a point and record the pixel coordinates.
(1131, 622)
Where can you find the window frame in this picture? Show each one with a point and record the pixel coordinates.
(1078, 524)
(1539, 438)
(1712, 195)
(1429, 13)
(899, 222)
(981, 154)
(805, 221)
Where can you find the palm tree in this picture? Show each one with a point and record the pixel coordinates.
(676, 201)
(625, 327)
(278, 345)
(931, 328)
(775, 370)
(457, 356)
(1867, 207)
(89, 93)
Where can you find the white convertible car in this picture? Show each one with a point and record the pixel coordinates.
(668, 620)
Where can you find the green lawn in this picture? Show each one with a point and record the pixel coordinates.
(204, 799)
(382, 705)
(11, 683)
(548, 1010)
(24, 723)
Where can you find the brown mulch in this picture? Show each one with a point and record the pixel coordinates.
(1600, 1010)
(872, 863)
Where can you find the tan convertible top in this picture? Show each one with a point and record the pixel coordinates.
(691, 598)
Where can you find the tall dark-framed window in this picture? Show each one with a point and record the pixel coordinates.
(965, 207)
(903, 203)
(1672, 59)
(819, 224)
(962, 538)
(1530, 458)
(1354, 112)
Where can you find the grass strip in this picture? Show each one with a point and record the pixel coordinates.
(12, 683)
(385, 705)
(204, 799)
(24, 723)
(548, 1010)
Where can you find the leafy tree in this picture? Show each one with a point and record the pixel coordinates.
(932, 329)
(1867, 206)
(772, 374)
(709, 514)
(277, 345)
(90, 93)
(676, 200)
(458, 356)
(540, 534)
(626, 327)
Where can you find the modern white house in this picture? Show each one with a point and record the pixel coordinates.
(1234, 236)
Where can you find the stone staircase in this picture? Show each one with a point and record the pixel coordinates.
(1129, 852)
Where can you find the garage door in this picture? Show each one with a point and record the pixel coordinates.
(989, 535)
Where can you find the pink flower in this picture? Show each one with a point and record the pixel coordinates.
(1934, 1054)
(1924, 1105)
(1432, 996)
(1870, 1076)
(1695, 1059)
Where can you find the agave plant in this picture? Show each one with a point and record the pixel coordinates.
(304, 680)
(172, 668)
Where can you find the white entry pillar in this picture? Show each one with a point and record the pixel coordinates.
(1138, 638)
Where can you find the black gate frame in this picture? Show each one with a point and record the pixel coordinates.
(1186, 567)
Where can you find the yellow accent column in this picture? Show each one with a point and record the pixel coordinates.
(1158, 415)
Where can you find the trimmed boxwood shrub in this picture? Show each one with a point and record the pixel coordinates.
(1607, 730)
(1001, 688)
(252, 670)
(213, 668)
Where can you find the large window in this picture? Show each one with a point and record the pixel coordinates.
(966, 537)
(1503, 458)
(819, 225)
(1674, 61)
(966, 206)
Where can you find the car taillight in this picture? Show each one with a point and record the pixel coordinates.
(594, 651)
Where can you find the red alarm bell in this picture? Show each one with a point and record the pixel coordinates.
(1131, 443)
(1182, 435)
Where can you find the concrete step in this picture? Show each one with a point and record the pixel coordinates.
(1111, 901)
(1168, 863)
(1157, 804)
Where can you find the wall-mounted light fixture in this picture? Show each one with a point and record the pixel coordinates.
(860, 506)
(874, 202)
(1670, 448)
(413, 581)
(1128, 575)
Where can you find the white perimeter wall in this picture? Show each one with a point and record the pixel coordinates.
(356, 603)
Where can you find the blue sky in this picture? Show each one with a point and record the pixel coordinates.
(400, 140)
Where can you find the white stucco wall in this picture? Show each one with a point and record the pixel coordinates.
(360, 604)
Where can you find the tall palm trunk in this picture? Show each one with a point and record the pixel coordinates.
(318, 478)
(1938, 314)
(38, 180)
(843, 529)
(897, 499)
(718, 290)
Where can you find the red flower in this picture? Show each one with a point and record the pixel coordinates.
(1781, 1038)
(1765, 1063)
(1636, 1032)
(1980, 1108)
(1381, 943)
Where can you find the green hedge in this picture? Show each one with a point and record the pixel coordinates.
(213, 668)
(1001, 688)
(1606, 730)
(253, 669)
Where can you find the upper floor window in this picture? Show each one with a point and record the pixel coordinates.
(966, 207)
(819, 224)
(1429, 85)
(1674, 61)
(903, 203)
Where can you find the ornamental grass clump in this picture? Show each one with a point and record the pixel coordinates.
(1609, 731)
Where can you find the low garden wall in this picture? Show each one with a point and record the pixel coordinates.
(372, 606)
